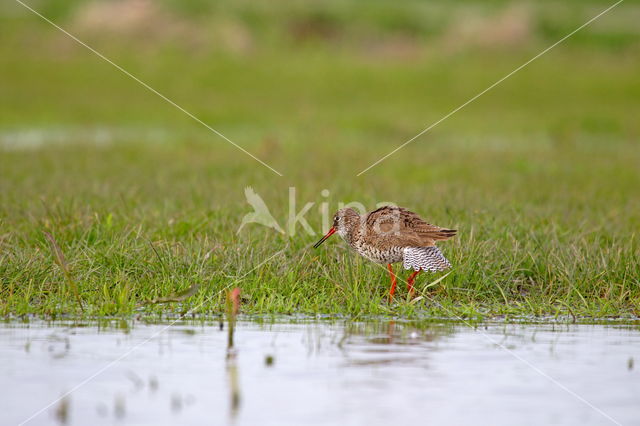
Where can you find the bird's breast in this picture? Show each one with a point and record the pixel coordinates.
(378, 254)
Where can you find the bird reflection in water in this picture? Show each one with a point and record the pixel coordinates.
(392, 342)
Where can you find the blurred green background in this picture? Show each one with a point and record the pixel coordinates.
(539, 174)
(371, 70)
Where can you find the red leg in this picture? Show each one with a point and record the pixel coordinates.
(393, 281)
(410, 281)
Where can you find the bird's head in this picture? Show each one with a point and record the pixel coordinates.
(343, 223)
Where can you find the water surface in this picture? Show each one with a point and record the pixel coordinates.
(318, 373)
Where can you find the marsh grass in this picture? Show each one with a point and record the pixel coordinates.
(540, 176)
(547, 243)
(62, 263)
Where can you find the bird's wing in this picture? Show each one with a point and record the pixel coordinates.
(405, 228)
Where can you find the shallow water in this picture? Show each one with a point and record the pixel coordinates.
(321, 373)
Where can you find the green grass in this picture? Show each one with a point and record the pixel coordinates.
(539, 175)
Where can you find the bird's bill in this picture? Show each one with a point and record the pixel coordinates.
(330, 233)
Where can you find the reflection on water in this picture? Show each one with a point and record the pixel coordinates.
(233, 306)
(234, 388)
(376, 372)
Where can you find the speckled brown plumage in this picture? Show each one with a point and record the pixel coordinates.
(393, 234)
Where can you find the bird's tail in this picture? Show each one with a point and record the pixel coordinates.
(442, 234)
(425, 258)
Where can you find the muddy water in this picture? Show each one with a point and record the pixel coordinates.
(319, 373)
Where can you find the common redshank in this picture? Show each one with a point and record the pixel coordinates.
(390, 235)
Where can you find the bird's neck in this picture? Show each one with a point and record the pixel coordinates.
(352, 232)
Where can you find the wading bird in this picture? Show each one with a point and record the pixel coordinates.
(393, 234)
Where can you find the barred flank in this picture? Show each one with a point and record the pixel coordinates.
(425, 258)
